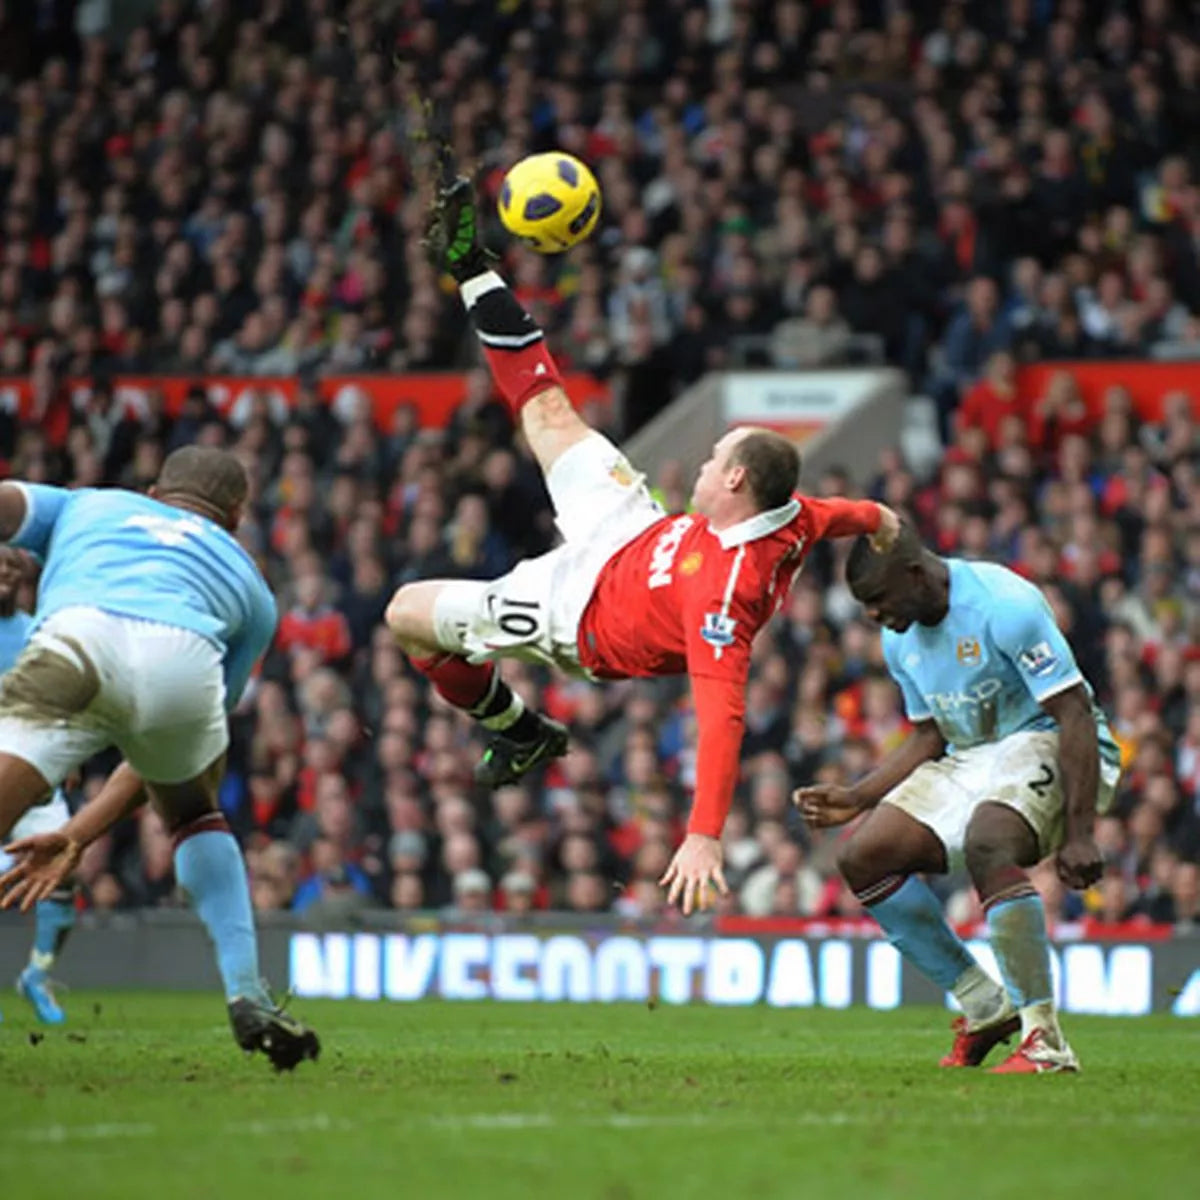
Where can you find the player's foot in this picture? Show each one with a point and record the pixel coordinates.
(34, 985)
(275, 1033)
(505, 761)
(971, 1046)
(452, 232)
(1036, 1056)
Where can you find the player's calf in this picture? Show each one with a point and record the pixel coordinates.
(514, 347)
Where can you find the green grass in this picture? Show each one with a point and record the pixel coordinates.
(146, 1096)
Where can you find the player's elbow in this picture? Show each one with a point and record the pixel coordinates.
(1071, 708)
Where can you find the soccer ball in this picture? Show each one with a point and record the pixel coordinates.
(550, 201)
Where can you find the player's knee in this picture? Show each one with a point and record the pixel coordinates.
(403, 612)
(987, 850)
(856, 862)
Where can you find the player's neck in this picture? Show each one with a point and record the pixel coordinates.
(730, 516)
(939, 607)
(7, 608)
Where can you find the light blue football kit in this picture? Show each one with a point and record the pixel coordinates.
(982, 674)
(157, 616)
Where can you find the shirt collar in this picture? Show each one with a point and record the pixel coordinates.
(757, 526)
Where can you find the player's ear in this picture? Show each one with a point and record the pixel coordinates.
(735, 477)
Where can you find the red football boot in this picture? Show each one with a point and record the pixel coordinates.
(971, 1046)
(1035, 1056)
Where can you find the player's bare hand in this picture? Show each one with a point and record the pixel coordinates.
(826, 804)
(884, 538)
(1079, 862)
(43, 863)
(696, 866)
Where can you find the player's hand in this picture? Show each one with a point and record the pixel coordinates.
(826, 804)
(696, 865)
(1079, 862)
(884, 538)
(44, 863)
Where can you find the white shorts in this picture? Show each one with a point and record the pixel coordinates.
(1020, 771)
(600, 504)
(42, 818)
(90, 679)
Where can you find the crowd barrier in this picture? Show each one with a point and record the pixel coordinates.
(560, 957)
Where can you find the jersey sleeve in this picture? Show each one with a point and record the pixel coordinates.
(43, 507)
(249, 645)
(720, 723)
(720, 621)
(915, 707)
(838, 517)
(1024, 630)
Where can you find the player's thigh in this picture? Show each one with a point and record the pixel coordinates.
(513, 616)
(412, 614)
(49, 721)
(889, 842)
(552, 426)
(1020, 776)
(186, 801)
(176, 725)
(596, 492)
(933, 801)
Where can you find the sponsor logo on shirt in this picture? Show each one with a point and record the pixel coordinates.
(717, 630)
(968, 651)
(663, 556)
(1038, 660)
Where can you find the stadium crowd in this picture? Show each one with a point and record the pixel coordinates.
(233, 188)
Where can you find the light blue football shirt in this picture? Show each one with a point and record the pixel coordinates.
(983, 672)
(133, 556)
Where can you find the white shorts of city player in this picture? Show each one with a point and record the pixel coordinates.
(89, 679)
(42, 818)
(600, 504)
(1020, 771)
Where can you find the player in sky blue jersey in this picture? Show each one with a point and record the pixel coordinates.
(149, 621)
(1007, 764)
(56, 914)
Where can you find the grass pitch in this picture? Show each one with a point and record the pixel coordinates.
(145, 1095)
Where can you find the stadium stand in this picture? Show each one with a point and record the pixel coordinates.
(965, 189)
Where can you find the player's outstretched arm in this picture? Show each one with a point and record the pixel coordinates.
(45, 861)
(513, 345)
(831, 804)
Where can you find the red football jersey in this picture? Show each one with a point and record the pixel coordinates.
(682, 598)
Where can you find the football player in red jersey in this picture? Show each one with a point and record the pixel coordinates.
(632, 591)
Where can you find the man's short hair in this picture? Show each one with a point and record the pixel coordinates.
(865, 563)
(772, 465)
(205, 473)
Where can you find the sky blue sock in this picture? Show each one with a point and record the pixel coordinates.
(1018, 934)
(54, 921)
(210, 869)
(912, 918)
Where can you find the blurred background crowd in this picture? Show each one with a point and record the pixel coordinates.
(954, 188)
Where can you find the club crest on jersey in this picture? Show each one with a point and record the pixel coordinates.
(622, 473)
(969, 652)
(1039, 659)
(690, 563)
(717, 630)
